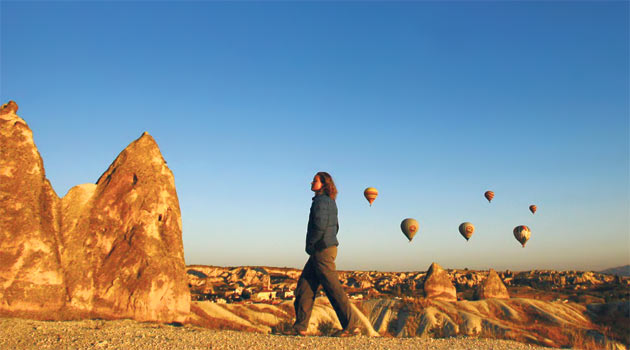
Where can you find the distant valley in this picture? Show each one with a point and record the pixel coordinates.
(577, 309)
(578, 286)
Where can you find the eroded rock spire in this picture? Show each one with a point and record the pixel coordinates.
(111, 249)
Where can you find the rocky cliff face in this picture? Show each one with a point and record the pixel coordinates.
(111, 249)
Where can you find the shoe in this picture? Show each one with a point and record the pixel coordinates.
(298, 332)
(343, 333)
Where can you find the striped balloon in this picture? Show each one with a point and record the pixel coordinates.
(409, 228)
(370, 194)
(522, 234)
(466, 229)
(532, 208)
(489, 195)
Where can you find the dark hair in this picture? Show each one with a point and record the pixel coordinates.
(328, 185)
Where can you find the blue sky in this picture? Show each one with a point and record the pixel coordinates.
(432, 103)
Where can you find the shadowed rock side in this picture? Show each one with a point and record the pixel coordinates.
(30, 273)
(492, 287)
(118, 242)
(438, 285)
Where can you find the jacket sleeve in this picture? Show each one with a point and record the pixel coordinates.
(318, 220)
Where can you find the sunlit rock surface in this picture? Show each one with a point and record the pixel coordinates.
(31, 278)
(438, 285)
(111, 249)
(492, 287)
(131, 226)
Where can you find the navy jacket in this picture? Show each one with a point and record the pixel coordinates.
(323, 224)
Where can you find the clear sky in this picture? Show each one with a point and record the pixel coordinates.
(432, 103)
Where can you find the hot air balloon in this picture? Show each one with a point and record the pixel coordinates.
(522, 233)
(409, 227)
(370, 194)
(466, 229)
(489, 195)
(532, 208)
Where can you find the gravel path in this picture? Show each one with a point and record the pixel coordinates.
(126, 334)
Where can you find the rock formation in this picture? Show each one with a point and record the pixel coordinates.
(492, 287)
(31, 279)
(225, 280)
(111, 249)
(438, 285)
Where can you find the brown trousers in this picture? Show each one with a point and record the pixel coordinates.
(320, 271)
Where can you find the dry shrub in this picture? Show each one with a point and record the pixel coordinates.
(615, 326)
(326, 328)
(514, 332)
(491, 330)
(418, 304)
(580, 339)
(539, 329)
(361, 306)
(284, 327)
(556, 334)
(439, 332)
(398, 308)
(412, 307)
(95, 324)
(412, 323)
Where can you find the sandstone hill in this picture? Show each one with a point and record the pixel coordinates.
(109, 250)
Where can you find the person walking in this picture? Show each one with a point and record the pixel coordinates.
(320, 270)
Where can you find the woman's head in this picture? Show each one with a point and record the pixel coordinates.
(323, 183)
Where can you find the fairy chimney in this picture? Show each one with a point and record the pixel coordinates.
(112, 249)
(130, 222)
(492, 287)
(437, 284)
(31, 279)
